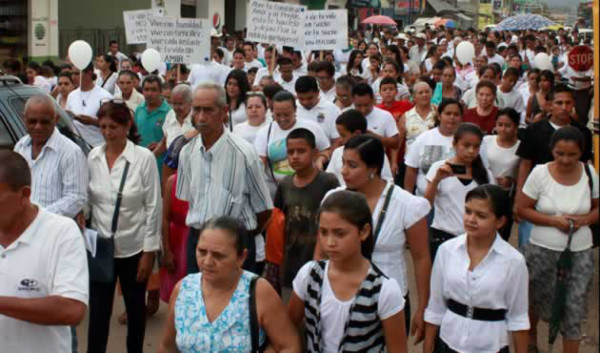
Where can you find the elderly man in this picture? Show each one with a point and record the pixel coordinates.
(127, 92)
(221, 174)
(43, 268)
(59, 167)
(178, 120)
(419, 51)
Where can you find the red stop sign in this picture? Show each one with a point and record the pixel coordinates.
(581, 58)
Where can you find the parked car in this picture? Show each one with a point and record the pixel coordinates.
(13, 96)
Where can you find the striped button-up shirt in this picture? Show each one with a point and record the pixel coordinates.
(59, 174)
(226, 180)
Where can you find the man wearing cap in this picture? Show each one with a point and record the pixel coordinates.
(401, 39)
(419, 51)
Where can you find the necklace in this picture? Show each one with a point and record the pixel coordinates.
(83, 101)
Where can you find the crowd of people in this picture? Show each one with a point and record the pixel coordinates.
(270, 197)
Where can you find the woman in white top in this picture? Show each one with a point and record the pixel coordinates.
(402, 222)
(137, 233)
(108, 72)
(431, 146)
(420, 118)
(326, 293)
(448, 181)
(500, 152)
(256, 110)
(560, 198)
(236, 87)
(35, 78)
(478, 284)
(65, 87)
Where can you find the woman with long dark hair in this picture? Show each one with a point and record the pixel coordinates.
(448, 182)
(108, 72)
(236, 87)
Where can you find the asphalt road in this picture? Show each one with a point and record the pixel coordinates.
(155, 324)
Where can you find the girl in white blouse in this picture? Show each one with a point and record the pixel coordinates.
(137, 233)
(478, 284)
(237, 87)
(403, 222)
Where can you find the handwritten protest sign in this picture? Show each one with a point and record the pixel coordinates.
(326, 30)
(276, 23)
(136, 25)
(180, 41)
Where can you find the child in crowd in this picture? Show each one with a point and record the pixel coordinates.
(510, 95)
(346, 303)
(388, 90)
(299, 196)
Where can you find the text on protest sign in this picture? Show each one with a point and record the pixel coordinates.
(326, 30)
(276, 23)
(180, 41)
(136, 25)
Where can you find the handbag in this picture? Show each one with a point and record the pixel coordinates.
(102, 266)
(254, 326)
(594, 227)
(275, 237)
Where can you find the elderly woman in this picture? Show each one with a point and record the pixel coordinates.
(420, 118)
(484, 114)
(210, 311)
(560, 198)
(179, 119)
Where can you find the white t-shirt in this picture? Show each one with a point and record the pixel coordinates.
(238, 116)
(557, 199)
(429, 147)
(329, 95)
(212, 72)
(251, 64)
(42, 83)
(404, 211)
(48, 259)
(88, 103)
(334, 312)
(449, 201)
(110, 84)
(324, 113)
(502, 162)
(400, 87)
(249, 132)
(382, 123)
(336, 163)
(273, 145)
(288, 86)
(512, 99)
(496, 59)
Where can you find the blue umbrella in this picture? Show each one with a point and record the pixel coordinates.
(523, 22)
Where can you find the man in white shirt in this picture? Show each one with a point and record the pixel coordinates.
(127, 91)
(264, 71)
(381, 124)
(315, 108)
(220, 174)
(286, 77)
(228, 50)
(43, 268)
(490, 52)
(59, 167)
(84, 103)
(418, 52)
(179, 119)
(300, 68)
(114, 51)
(326, 78)
(250, 59)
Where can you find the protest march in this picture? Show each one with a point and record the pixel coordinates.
(313, 182)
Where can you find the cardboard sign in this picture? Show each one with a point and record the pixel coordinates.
(326, 30)
(180, 41)
(136, 25)
(275, 23)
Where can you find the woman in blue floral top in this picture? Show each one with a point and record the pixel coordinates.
(209, 311)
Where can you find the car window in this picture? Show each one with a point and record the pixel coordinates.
(6, 141)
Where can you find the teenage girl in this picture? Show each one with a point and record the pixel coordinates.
(346, 302)
(479, 283)
(448, 181)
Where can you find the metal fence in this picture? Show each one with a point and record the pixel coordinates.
(97, 38)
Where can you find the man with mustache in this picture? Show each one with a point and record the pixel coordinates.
(220, 174)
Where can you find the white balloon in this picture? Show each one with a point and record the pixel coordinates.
(542, 61)
(151, 59)
(80, 54)
(465, 52)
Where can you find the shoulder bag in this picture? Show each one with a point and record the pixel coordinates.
(102, 266)
(254, 326)
(594, 227)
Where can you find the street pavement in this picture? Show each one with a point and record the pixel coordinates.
(155, 324)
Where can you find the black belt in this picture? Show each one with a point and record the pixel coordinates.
(476, 313)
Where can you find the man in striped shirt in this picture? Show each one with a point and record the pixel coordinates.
(220, 174)
(58, 166)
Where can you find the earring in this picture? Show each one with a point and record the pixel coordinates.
(372, 176)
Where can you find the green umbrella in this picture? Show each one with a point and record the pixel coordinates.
(563, 267)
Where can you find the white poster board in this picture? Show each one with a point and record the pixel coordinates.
(136, 25)
(275, 23)
(180, 41)
(326, 30)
